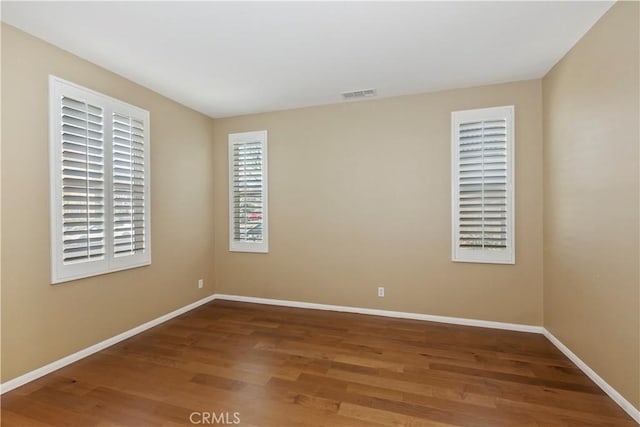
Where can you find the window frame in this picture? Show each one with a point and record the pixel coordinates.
(483, 255)
(239, 245)
(61, 272)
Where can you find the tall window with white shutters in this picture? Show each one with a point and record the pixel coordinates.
(248, 213)
(99, 166)
(483, 185)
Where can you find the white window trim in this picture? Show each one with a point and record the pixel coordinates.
(59, 271)
(491, 256)
(243, 246)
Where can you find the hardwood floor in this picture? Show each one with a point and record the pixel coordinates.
(259, 365)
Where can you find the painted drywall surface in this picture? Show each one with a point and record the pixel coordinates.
(360, 197)
(42, 322)
(591, 189)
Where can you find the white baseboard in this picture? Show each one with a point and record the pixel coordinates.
(611, 392)
(54, 366)
(386, 313)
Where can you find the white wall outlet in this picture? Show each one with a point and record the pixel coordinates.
(200, 283)
(381, 291)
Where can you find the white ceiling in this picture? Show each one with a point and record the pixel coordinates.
(232, 58)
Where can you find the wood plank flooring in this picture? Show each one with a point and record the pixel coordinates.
(227, 363)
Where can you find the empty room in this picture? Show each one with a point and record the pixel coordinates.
(320, 213)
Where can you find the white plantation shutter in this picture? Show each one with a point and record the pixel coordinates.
(482, 181)
(248, 226)
(482, 197)
(128, 185)
(83, 207)
(99, 154)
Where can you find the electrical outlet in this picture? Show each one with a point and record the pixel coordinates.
(200, 283)
(381, 291)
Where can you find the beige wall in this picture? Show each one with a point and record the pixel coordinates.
(359, 197)
(40, 322)
(591, 137)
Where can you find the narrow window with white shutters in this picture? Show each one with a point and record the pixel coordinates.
(483, 182)
(248, 225)
(99, 155)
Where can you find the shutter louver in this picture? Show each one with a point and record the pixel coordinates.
(248, 192)
(482, 197)
(129, 225)
(83, 181)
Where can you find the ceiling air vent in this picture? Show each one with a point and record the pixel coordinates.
(355, 94)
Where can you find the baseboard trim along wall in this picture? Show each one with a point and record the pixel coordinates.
(54, 366)
(61, 363)
(611, 392)
(386, 313)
